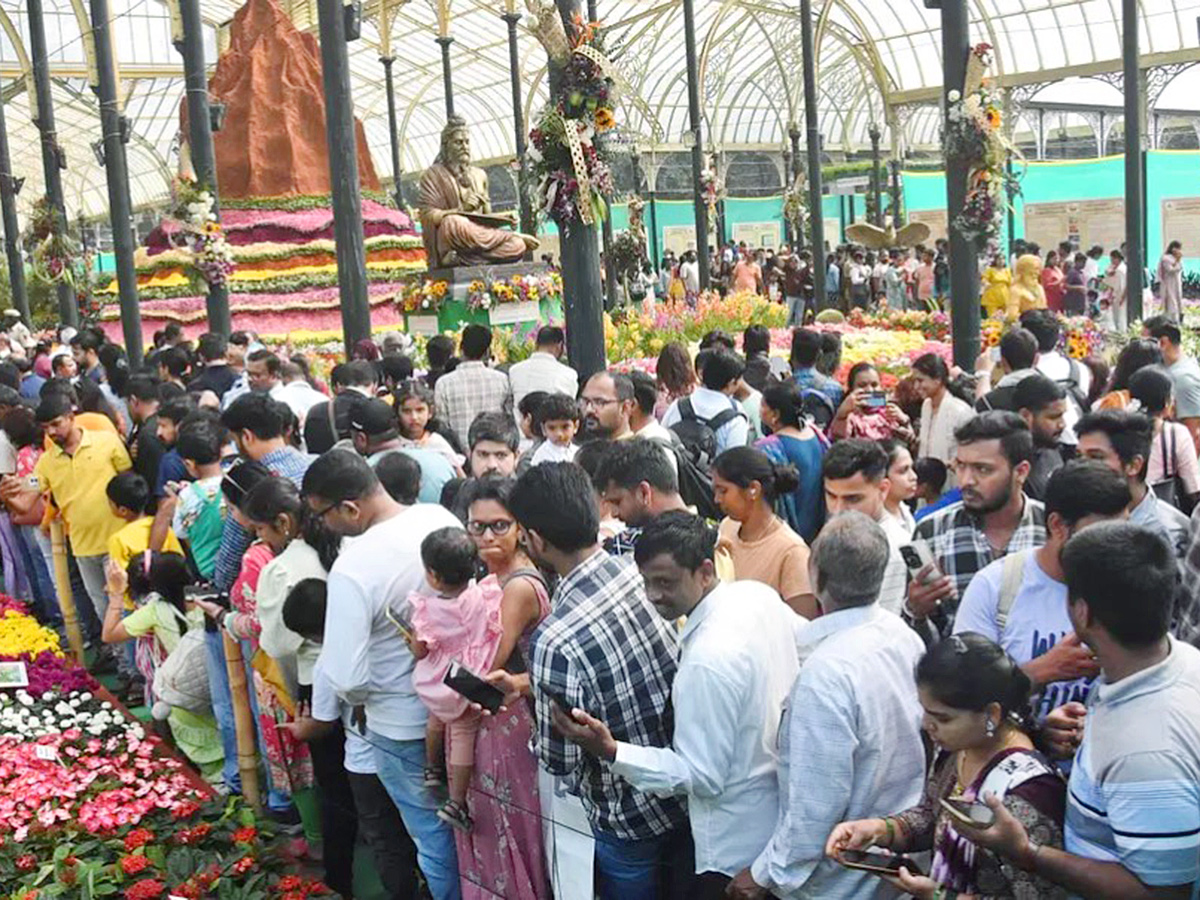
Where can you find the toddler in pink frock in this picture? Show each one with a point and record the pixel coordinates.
(460, 623)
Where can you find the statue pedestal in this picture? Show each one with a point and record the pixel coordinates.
(454, 313)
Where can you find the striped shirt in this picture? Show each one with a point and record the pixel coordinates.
(1134, 793)
(606, 650)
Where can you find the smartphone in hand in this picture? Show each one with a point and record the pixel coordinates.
(461, 679)
(877, 863)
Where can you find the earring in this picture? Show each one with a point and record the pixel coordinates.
(989, 728)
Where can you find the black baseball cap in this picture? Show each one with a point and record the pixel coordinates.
(374, 418)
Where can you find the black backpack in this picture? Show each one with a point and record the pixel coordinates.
(1072, 386)
(817, 407)
(699, 436)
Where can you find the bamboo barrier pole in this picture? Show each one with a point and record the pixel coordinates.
(243, 720)
(62, 581)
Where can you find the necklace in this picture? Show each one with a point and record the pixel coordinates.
(1014, 739)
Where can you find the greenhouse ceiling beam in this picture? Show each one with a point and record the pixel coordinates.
(1087, 70)
(129, 71)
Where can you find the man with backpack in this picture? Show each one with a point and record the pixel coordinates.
(1075, 378)
(1020, 601)
(821, 394)
(710, 420)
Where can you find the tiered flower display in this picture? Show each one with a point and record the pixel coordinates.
(91, 806)
(518, 289)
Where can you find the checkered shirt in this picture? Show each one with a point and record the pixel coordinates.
(960, 548)
(469, 390)
(607, 651)
(1187, 609)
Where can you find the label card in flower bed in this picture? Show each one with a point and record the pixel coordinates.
(426, 325)
(13, 675)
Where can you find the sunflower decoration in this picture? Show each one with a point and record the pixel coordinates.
(992, 116)
(604, 118)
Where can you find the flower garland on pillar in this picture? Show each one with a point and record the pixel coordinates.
(57, 258)
(712, 186)
(975, 132)
(195, 210)
(795, 206)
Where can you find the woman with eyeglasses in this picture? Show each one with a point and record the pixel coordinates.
(502, 854)
(976, 702)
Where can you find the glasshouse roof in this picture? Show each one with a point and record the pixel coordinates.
(878, 61)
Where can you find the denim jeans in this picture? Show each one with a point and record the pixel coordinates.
(795, 307)
(401, 766)
(647, 869)
(41, 584)
(222, 703)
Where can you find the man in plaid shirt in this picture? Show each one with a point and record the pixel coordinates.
(994, 517)
(605, 650)
(472, 388)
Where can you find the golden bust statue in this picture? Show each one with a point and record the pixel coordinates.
(1026, 292)
(457, 224)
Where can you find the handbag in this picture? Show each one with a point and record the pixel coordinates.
(1171, 488)
(182, 678)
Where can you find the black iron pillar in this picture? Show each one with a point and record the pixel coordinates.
(444, 41)
(200, 143)
(120, 208)
(693, 82)
(788, 237)
(53, 160)
(797, 167)
(583, 301)
(876, 176)
(812, 137)
(12, 231)
(896, 198)
(528, 225)
(393, 131)
(1135, 185)
(610, 263)
(343, 174)
(964, 263)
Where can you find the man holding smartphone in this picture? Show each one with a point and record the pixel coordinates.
(736, 668)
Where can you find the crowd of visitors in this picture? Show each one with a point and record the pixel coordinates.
(740, 630)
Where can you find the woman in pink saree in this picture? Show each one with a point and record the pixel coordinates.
(502, 854)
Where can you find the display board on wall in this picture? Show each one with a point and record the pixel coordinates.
(679, 238)
(757, 234)
(936, 219)
(1180, 222)
(1082, 222)
(833, 231)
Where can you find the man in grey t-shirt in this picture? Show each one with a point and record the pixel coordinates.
(1185, 372)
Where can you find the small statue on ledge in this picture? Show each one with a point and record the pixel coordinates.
(457, 223)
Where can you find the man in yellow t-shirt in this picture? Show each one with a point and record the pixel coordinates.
(75, 471)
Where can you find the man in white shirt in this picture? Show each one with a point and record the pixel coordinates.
(1020, 601)
(855, 476)
(262, 373)
(737, 665)
(543, 370)
(850, 740)
(722, 372)
(297, 393)
(689, 272)
(372, 668)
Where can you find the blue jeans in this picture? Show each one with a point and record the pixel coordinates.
(40, 583)
(645, 869)
(401, 766)
(222, 704)
(796, 307)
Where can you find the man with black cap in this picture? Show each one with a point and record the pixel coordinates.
(375, 431)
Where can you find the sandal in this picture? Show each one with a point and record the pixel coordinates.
(434, 777)
(455, 815)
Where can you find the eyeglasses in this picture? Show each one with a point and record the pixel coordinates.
(598, 402)
(499, 528)
(322, 513)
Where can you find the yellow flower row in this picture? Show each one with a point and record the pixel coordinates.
(20, 633)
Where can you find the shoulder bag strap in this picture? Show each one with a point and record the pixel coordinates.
(1012, 573)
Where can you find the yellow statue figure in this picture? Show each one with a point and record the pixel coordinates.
(1026, 292)
(457, 224)
(996, 281)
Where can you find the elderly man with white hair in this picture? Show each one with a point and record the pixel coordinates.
(850, 739)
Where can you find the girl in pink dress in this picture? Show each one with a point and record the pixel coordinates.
(460, 623)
